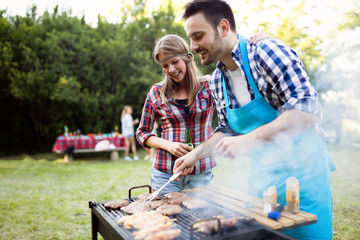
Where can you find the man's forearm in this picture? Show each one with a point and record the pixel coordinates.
(290, 122)
(207, 148)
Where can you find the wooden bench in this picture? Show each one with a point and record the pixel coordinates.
(86, 144)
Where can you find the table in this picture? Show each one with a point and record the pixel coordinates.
(87, 143)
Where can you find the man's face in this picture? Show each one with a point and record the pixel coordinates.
(204, 40)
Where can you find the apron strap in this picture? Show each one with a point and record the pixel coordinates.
(245, 60)
(225, 89)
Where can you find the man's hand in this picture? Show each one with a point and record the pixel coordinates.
(230, 147)
(206, 149)
(185, 163)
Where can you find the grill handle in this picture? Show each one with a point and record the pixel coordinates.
(192, 230)
(92, 204)
(136, 187)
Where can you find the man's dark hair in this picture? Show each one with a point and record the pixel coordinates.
(213, 10)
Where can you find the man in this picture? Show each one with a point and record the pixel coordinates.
(273, 113)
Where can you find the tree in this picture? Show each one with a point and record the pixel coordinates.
(351, 19)
(56, 70)
(284, 24)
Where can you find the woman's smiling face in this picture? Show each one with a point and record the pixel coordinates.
(174, 67)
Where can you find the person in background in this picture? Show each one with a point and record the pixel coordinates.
(183, 104)
(127, 127)
(266, 107)
(151, 151)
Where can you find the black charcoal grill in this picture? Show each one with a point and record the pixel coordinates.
(104, 221)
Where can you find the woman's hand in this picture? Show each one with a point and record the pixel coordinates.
(178, 149)
(259, 36)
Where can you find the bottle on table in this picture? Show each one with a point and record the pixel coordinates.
(116, 131)
(66, 131)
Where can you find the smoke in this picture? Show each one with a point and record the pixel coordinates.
(338, 84)
(289, 154)
(232, 173)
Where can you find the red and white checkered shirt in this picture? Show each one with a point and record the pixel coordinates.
(174, 123)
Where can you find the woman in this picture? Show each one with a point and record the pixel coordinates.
(183, 104)
(127, 126)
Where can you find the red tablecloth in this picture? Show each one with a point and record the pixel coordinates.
(85, 142)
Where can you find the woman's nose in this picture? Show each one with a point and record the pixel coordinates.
(171, 68)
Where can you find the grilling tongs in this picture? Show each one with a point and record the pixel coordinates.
(172, 178)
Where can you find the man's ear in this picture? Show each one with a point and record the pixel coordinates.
(223, 27)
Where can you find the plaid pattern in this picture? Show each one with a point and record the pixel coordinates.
(279, 75)
(174, 123)
(85, 143)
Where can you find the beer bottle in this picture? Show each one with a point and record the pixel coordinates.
(188, 138)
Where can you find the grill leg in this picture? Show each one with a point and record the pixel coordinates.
(94, 226)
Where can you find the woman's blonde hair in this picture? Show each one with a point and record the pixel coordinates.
(125, 110)
(175, 45)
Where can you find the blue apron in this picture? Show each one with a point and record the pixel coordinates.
(303, 156)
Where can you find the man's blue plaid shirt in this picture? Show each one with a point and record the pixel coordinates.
(279, 75)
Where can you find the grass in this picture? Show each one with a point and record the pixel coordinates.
(346, 188)
(44, 198)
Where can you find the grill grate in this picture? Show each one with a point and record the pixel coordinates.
(244, 227)
(105, 221)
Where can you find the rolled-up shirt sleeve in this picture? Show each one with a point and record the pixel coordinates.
(146, 124)
(286, 74)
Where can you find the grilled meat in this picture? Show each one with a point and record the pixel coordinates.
(150, 225)
(145, 195)
(115, 204)
(169, 209)
(155, 204)
(163, 235)
(231, 222)
(137, 206)
(212, 225)
(176, 197)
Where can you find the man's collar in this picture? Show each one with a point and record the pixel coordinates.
(235, 53)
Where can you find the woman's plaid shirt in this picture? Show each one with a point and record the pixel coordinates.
(279, 75)
(174, 123)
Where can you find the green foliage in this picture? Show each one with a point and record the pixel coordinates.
(351, 19)
(56, 70)
(284, 25)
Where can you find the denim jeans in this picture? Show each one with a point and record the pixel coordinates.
(159, 178)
